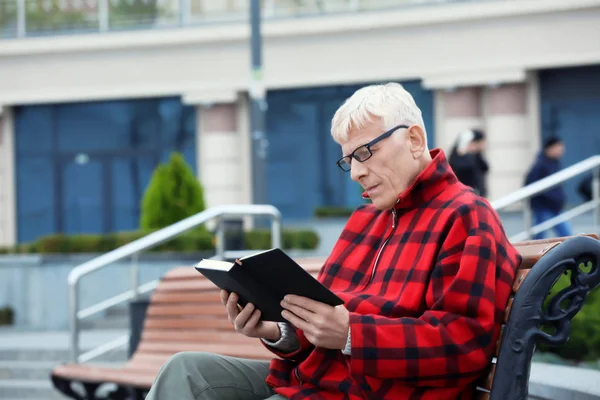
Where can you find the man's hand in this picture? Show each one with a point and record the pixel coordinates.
(247, 320)
(323, 325)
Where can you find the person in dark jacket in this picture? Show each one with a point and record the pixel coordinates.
(467, 161)
(585, 188)
(549, 203)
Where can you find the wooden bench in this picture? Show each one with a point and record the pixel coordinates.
(185, 314)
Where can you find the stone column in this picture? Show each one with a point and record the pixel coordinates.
(8, 212)
(455, 111)
(509, 136)
(223, 152)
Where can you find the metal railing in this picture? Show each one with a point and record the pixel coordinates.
(133, 249)
(34, 18)
(525, 194)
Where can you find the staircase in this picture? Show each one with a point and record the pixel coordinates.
(26, 359)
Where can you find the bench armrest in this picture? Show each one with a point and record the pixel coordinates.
(523, 328)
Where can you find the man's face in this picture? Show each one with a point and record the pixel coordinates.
(391, 168)
(556, 151)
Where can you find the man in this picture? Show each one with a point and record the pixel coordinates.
(549, 203)
(467, 162)
(425, 272)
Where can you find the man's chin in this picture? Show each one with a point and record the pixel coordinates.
(381, 204)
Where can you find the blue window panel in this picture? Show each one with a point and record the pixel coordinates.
(129, 179)
(178, 130)
(36, 214)
(33, 127)
(293, 158)
(107, 126)
(570, 109)
(104, 154)
(83, 206)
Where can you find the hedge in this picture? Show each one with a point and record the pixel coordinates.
(584, 342)
(333, 212)
(7, 316)
(197, 240)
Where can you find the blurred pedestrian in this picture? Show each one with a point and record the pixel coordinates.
(467, 161)
(548, 204)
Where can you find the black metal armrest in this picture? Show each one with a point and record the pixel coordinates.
(523, 332)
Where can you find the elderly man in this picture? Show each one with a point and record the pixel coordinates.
(425, 272)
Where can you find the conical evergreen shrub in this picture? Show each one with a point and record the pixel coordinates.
(173, 194)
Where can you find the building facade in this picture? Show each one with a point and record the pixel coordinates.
(86, 117)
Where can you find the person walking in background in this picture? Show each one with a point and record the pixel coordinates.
(549, 203)
(467, 162)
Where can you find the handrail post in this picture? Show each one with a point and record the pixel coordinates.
(103, 15)
(21, 18)
(276, 231)
(220, 239)
(596, 196)
(527, 217)
(135, 276)
(74, 320)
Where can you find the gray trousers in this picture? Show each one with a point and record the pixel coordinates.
(207, 376)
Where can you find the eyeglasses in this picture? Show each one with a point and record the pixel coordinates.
(363, 153)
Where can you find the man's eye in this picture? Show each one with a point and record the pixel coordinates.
(362, 153)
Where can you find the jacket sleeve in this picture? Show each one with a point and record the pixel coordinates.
(453, 340)
(535, 174)
(298, 355)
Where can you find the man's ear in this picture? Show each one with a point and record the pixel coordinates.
(417, 141)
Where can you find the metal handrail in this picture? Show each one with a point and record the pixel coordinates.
(134, 248)
(526, 193)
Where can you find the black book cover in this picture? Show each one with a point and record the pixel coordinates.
(263, 279)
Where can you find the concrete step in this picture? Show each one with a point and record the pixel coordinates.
(30, 370)
(29, 389)
(55, 356)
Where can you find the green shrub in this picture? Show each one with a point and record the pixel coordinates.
(291, 239)
(191, 241)
(333, 212)
(584, 341)
(173, 194)
(7, 316)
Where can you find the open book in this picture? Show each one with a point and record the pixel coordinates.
(263, 279)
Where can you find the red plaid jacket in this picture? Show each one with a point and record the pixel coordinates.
(426, 285)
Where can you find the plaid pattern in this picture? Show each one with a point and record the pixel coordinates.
(426, 285)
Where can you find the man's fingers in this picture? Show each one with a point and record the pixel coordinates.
(224, 296)
(253, 320)
(304, 302)
(296, 321)
(242, 318)
(298, 311)
(232, 306)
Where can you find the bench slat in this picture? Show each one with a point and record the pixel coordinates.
(86, 373)
(189, 310)
(253, 350)
(186, 297)
(199, 336)
(192, 323)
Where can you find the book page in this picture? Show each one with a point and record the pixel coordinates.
(215, 264)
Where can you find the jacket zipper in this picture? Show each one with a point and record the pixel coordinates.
(297, 375)
(394, 222)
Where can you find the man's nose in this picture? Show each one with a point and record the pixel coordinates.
(357, 170)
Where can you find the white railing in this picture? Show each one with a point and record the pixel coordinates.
(133, 249)
(30, 18)
(524, 195)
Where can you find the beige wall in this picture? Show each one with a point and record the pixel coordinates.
(446, 45)
(7, 180)
(223, 152)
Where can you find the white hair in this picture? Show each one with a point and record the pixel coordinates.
(390, 102)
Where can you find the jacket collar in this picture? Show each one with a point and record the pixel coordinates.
(430, 182)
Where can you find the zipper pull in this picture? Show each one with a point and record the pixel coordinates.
(394, 217)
